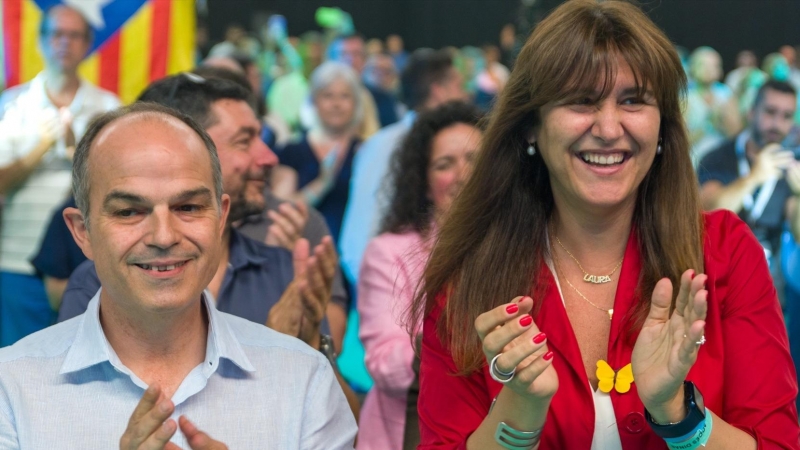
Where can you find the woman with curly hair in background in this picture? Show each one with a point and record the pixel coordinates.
(427, 173)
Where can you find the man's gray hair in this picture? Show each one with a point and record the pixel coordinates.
(330, 71)
(80, 164)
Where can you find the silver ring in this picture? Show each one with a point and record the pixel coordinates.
(700, 342)
(497, 374)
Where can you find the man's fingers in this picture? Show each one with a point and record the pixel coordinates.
(300, 256)
(328, 258)
(793, 177)
(285, 223)
(783, 159)
(313, 308)
(147, 423)
(293, 214)
(302, 208)
(197, 439)
(316, 276)
(146, 403)
(159, 439)
(277, 238)
(313, 291)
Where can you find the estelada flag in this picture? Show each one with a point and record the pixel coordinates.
(135, 41)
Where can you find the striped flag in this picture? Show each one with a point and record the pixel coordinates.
(135, 41)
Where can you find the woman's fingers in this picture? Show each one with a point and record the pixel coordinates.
(661, 301)
(528, 374)
(689, 346)
(684, 292)
(496, 341)
(690, 310)
(488, 321)
(527, 347)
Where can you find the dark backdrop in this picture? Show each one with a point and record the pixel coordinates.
(727, 25)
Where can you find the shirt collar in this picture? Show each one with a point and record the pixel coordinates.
(244, 252)
(91, 347)
(37, 88)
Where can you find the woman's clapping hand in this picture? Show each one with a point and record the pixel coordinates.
(668, 344)
(509, 331)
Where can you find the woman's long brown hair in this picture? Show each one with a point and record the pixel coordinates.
(495, 239)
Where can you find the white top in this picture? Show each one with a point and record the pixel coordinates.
(606, 434)
(28, 209)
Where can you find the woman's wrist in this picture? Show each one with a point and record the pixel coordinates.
(672, 411)
(524, 413)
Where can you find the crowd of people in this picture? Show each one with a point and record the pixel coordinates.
(578, 237)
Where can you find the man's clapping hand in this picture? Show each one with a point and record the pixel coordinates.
(150, 427)
(302, 306)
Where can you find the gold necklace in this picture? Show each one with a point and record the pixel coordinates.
(610, 312)
(596, 279)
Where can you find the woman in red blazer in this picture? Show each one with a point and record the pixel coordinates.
(577, 296)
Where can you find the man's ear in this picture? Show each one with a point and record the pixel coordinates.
(77, 226)
(224, 210)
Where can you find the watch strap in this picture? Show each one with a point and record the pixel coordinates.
(694, 416)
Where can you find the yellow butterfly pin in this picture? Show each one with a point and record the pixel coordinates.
(607, 378)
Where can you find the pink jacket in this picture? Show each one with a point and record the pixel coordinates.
(391, 267)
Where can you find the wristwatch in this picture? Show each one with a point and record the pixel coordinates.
(695, 413)
(326, 347)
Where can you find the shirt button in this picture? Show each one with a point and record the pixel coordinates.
(634, 422)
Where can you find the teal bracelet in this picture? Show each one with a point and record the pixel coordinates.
(697, 438)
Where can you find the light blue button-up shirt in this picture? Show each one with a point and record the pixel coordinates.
(366, 203)
(64, 387)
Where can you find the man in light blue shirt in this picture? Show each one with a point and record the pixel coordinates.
(428, 81)
(152, 351)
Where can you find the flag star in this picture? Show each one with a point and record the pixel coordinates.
(91, 9)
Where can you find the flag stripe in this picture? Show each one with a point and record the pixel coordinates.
(181, 39)
(12, 20)
(159, 40)
(89, 69)
(31, 62)
(109, 63)
(153, 41)
(135, 54)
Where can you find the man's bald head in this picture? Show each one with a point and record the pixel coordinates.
(81, 179)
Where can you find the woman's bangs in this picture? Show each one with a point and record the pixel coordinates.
(593, 74)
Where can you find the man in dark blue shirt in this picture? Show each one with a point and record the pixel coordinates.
(259, 283)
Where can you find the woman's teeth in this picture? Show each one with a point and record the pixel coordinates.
(603, 160)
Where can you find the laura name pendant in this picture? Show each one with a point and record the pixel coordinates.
(596, 279)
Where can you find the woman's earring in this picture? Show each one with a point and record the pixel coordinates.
(659, 149)
(532, 149)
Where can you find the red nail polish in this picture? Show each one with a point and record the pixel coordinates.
(511, 309)
(539, 338)
(548, 356)
(525, 321)
(692, 276)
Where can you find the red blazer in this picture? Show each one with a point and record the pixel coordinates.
(744, 370)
